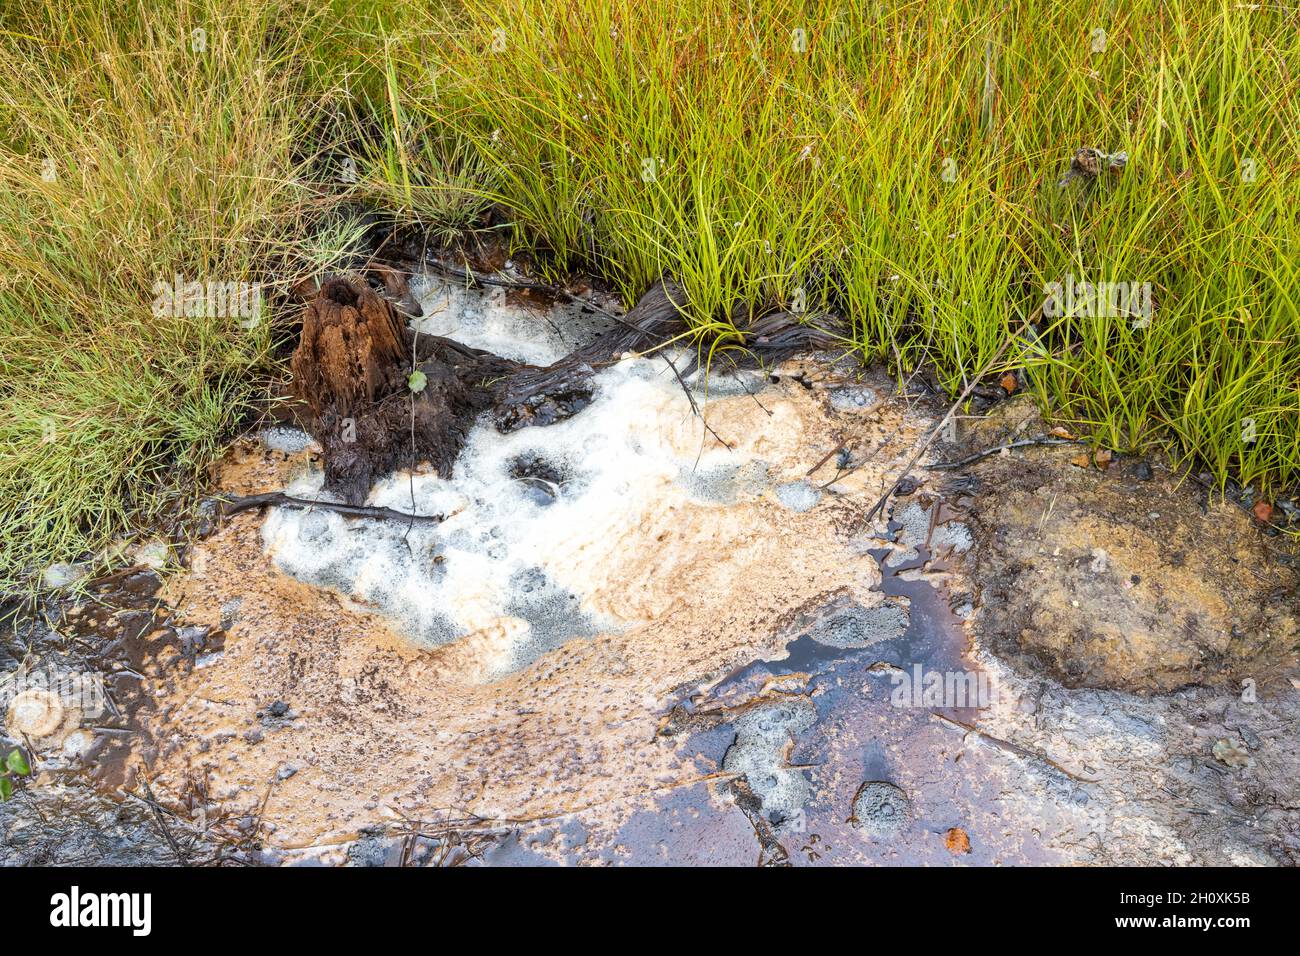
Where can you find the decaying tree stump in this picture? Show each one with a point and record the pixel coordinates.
(352, 352)
(351, 367)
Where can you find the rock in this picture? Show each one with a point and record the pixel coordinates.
(858, 627)
(1232, 753)
(760, 752)
(853, 398)
(36, 714)
(152, 554)
(230, 612)
(286, 439)
(62, 575)
(906, 487)
(1015, 418)
(78, 743)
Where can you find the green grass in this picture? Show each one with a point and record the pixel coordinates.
(894, 163)
(703, 138)
(128, 157)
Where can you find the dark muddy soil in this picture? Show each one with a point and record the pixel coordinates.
(1127, 578)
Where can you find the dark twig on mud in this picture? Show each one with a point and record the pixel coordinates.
(879, 506)
(825, 458)
(280, 499)
(980, 455)
(457, 839)
(153, 805)
(686, 389)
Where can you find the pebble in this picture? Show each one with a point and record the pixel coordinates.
(61, 575)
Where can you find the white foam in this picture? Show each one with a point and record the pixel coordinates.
(798, 495)
(534, 520)
(483, 319)
(287, 439)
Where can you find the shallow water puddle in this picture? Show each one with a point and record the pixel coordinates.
(853, 704)
(514, 661)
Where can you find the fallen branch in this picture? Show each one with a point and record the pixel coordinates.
(231, 506)
(1014, 748)
(1024, 443)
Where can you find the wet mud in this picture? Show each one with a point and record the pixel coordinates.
(683, 645)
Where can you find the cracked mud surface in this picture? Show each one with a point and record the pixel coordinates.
(750, 682)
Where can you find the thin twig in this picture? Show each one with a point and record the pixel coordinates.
(694, 406)
(1025, 443)
(162, 824)
(879, 506)
(1012, 747)
(825, 458)
(280, 499)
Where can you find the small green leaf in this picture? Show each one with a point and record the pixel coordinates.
(6, 788)
(416, 381)
(18, 763)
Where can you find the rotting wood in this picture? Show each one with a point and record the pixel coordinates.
(352, 364)
(351, 368)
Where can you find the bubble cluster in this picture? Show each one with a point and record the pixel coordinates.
(763, 736)
(881, 809)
